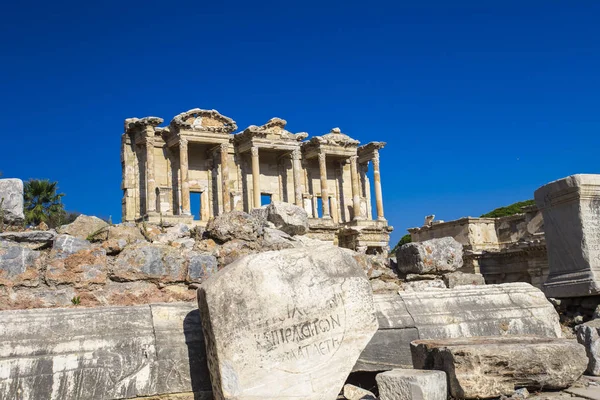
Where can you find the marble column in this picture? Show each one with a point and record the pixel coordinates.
(377, 179)
(355, 187)
(225, 177)
(324, 192)
(183, 170)
(150, 180)
(297, 169)
(255, 176)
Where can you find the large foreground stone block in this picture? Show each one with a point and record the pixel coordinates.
(412, 384)
(68, 354)
(571, 211)
(435, 256)
(11, 200)
(286, 324)
(588, 334)
(487, 367)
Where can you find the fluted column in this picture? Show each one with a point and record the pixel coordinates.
(225, 177)
(324, 192)
(255, 176)
(377, 179)
(355, 187)
(297, 169)
(150, 181)
(183, 169)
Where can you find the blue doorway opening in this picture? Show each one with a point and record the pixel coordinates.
(195, 204)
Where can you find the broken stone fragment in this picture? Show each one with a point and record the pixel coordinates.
(458, 278)
(66, 244)
(435, 256)
(19, 265)
(234, 225)
(11, 201)
(288, 218)
(412, 384)
(485, 367)
(286, 324)
(38, 237)
(588, 335)
(83, 227)
(419, 286)
(352, 392)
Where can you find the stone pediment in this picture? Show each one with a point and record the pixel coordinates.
(204, 121)
(274, 129)
(335, 138)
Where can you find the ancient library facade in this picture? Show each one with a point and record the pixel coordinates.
(197, 167)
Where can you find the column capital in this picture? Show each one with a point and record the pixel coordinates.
(254, 151)
(150, 139)
(224, 146)
(322, 156)
(353, 159)
(296, 154)
(183, 142)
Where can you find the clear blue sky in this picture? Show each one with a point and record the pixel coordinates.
(481, 102)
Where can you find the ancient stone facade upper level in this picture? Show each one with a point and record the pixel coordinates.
(198, 154)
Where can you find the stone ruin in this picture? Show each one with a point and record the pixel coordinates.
(282, 315)
(198, 153)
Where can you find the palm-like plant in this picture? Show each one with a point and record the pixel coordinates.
(42, 203)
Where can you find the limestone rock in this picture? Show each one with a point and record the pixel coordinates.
(174, 233)
(352, 392)
(79, 269)
(435, 256)
(130, 233)
(19, 266)
(419, 286)
(83, 227)
(421, 277)
(67, 244)
(234, 250)
(412, 384)
(41, 237)
(294, 321)
(288, 218)
(494, 366)
(588, 335)
(458, 278)
(201, 266)
(380, 286)
(149, 262)
(234, 225)
(11, 198)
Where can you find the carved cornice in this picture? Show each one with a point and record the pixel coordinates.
(275, 126)
(335, 138)
(192, 120)
(133, 123)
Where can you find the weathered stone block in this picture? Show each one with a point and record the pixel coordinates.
(234, 225)
(486, 367)
(150, 262)
(83, 227)
(200, 266)
(419, 286)
(69, 354)
(128, 232)
(180, 349)
(295, 320)
(458, 278)
(80, 269)
(19, 266)
(41, 237)
(435, 256)
(412, 384)
(352, 392)
(66, 244)
(11, 200)
(588, 335)
(571, 211)
(288, 218)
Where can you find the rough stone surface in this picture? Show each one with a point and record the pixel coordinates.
(435, 256)
(352, 392)
(81, 269)
(150, 262)
(295, 320)
(418, 286)
(588, 335)
(234, 225)
(458, 278)
(67, 244)
(19, 266)
(42, 237)
(571, 211)
(288, 218)
(11, 196)
(83, 227)
(494, 366)
(130, 233)
(412, 384)
(201, 266)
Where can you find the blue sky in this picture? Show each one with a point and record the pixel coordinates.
(480, 102)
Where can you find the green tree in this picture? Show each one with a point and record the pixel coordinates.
(513, 209)
(42, 202)
(405, 239)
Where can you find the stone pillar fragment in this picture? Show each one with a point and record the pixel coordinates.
(378, 195)
(150, 180)
(355, 187)
(297, 169)
(183, 169)
(255, 176)
(225, 177)
(324, 192)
